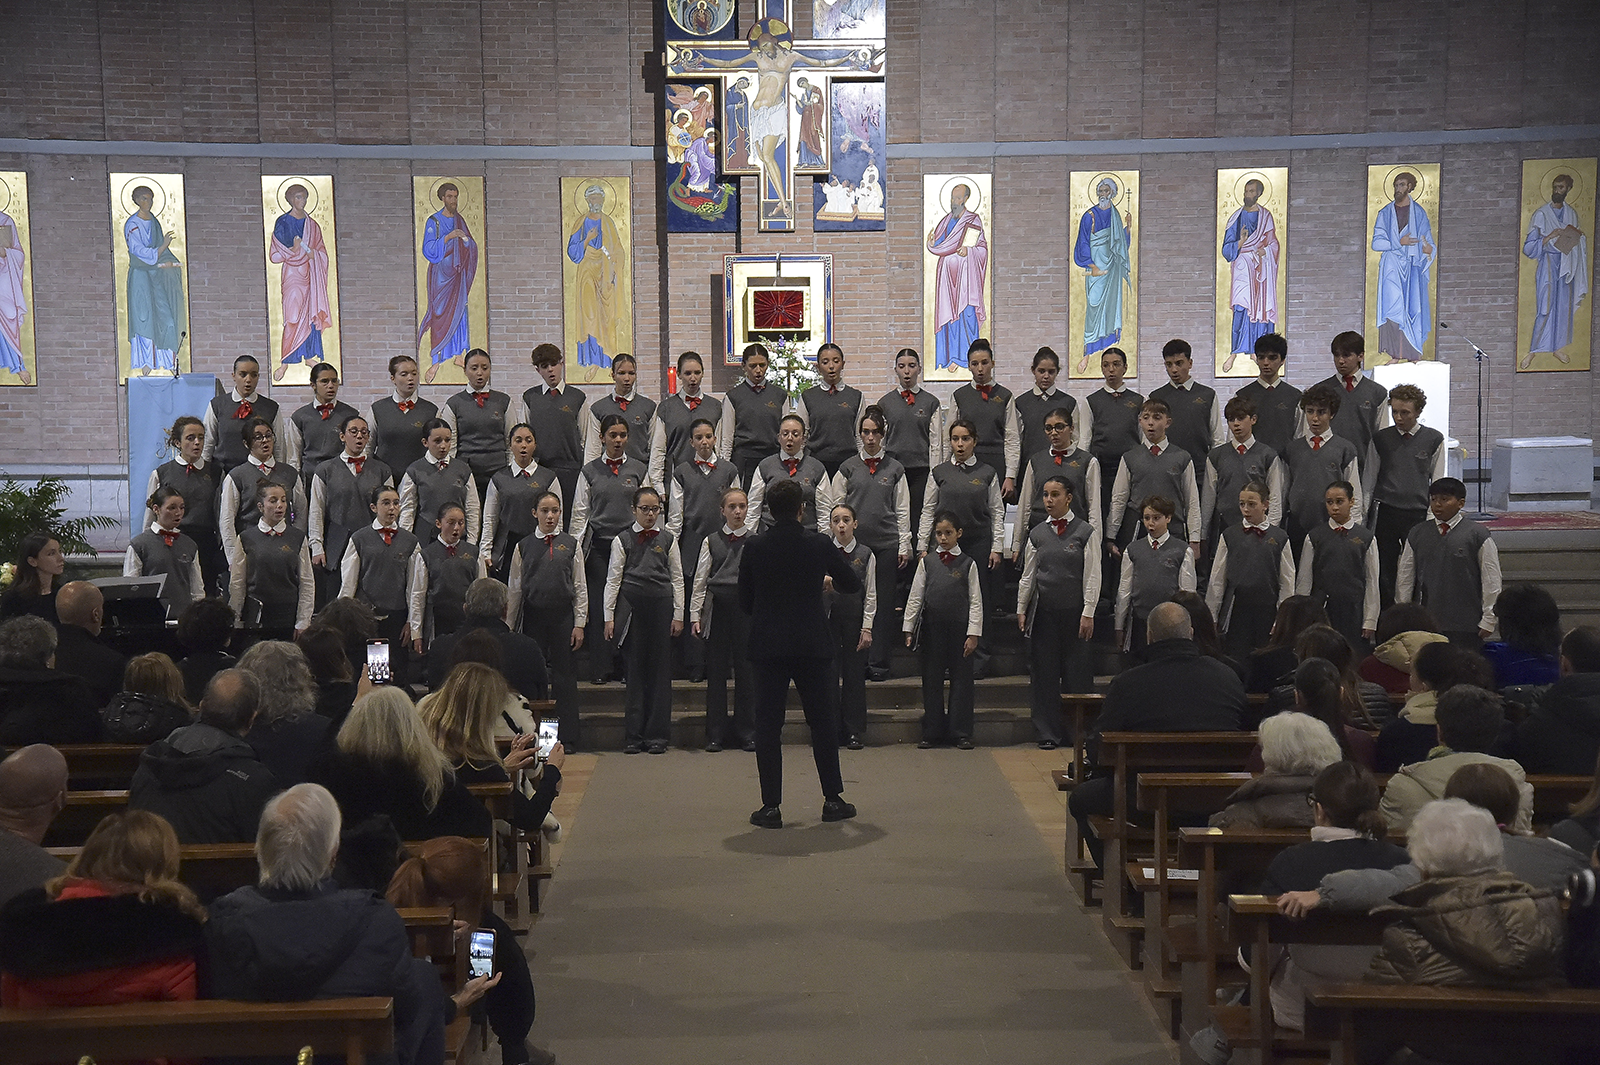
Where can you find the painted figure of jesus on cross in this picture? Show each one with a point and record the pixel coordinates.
(778, 61)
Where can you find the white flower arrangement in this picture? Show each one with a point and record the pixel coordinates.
(791, 369)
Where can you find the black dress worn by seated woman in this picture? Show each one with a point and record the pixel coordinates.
(364, 788)
(16, 603)
(527, 812)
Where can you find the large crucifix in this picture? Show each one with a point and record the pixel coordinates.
(793, 80)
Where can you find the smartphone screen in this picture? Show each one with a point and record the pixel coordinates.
(378, 661)
(480, 954)
(549, 734)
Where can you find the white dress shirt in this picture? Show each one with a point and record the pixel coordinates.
(350, 576)
(239, 579)
(317, 525)
(698, 605)
(1190, 501)
(1210, 504)
(869, 603)
(1091, 573)
(974, 593)
(372, 424)
(228, 508)
(619, 560)
(408, 507)
(594, 447)
(1405, 582)
(417, 586)
(1369, 596)
(1027, 491)
(675, 502)
(449, 417)
(1352, 473)
(997, 513)
(155, 482)
(209, 420)
(521, 405)
(1187, 581)
(580, 582)
(132, 567)
(826, 499)
(902, 503)
(491, 506)
(1218, 587)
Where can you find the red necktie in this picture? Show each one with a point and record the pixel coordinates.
(555, 393)
(1350, 383)
(450, 550)
(1405, 436)
(1255, 531)
(1316, 443)
(356, 464)
(274, 532)
(734, 538)
(984, 390)
(872, 466)
(244, 411)
(646, 535)
(525, 475)
(325, 409)
(910, 397)
(168, 537)
(1154, 546)
(1156, 450)
(614, 466)
(1241, 449)
(1341, 530)
(480, 398)
(1059, 525)
(622, 404)
(190, 468)
(264, 468)
(758, 389)
(792, 465)
(946, 557)
(442, 464)
(388, 536)
(703, 464)
(1057, 455)
(406, 405)
(1444, 528)
(693, 402)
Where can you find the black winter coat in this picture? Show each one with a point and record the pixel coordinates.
(1562, 734)
(365, 788)
(206, 782)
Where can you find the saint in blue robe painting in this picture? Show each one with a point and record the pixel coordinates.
(1250, 246)
(1102, 252)
(452, 257)
(596, 249)
(157, 312)
(1403, 237)
(1560, 250)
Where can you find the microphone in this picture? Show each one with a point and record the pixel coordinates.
(1444, 325)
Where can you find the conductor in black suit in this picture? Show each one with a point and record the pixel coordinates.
(780, 587)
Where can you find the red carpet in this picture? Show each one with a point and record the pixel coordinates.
(1561, 520)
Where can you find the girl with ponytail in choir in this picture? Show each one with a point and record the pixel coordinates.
(164, 549)
(197, 479)
(271, 587)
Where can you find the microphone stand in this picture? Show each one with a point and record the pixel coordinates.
(1481, 357)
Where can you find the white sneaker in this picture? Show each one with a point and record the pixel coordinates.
(551, 829)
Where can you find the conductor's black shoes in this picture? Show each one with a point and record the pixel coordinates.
(837, 810)
(768, 817)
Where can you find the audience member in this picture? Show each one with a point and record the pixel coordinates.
(40, 563)
(355, 623)
(204, 778)
(486, 610)
(116, 927)
(80, 606)
(33, 789)
(1562, 733)
(515, 717)
(384, 762)
(1469, 721)
(287, 732)
(296, 936)
(1319, 690)
(1435, 668)
(1581, 830)
(461, 718)
(1530, 637)
(1402, 629)
(1206, 638)
(152, 702)
(1295, 747)
(331, 671)
(1268, 667)
(38, 702)
(451, 871)
(1140, 700)
(204, 629)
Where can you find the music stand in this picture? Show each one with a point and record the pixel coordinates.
(133, 602)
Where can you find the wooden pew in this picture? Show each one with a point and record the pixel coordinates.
(1527, 1025)
(1553, 796)
(98, 765)
(1254, 919)
(1127, 753)
(82, 813)
(352, 1028)
(515, 889)
(1079, 711)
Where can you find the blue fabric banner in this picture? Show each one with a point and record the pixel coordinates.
(154, 403)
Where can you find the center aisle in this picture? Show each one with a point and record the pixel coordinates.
(936, 927)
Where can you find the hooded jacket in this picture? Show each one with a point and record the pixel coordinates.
(206, 782)
(1485, 930)
(1562, 734)
(1272, 800)
(1409, 737)
(1416, 785)
(96, 945)
(1389, 663)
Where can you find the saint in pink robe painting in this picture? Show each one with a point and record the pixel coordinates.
(958, 309)
(297, 244)
(13, 299)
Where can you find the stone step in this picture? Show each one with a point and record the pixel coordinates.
(899, 694)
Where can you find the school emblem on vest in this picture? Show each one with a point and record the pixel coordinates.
(562, 547)
(1074, 464)
(284, 548)
(658, 549)
(977, 481)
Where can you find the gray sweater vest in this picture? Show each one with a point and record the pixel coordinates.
(1191, 417)
(385, 569)
(945, 588)
(435, 488)
(640, 410)
(1031, 410)
(1357, 419)
(1309, 472)
(348, 502)
(547, 574)
(1234, 471)
(272, 573)
(515, 496)
(1058, 573)
(646, 569)
(1405, 467)
(807, 475)
(1157, 475)
(1276, 411)
(965, 493)
(848, 610)
(1339, 564)
(702, 505)
(199, 490)
(908, 428)
(726, 554)
(481, 431)
(1253, 567)
(989, 417)
(245, 477)
(872, 496)
(448, 579)
(230, 449)
(675, 416)
(1074, 468)
(832, 437)
(555, 426)
(1155, 572)
(397, 435)
(1114, 424)
(319, 436)
(611, 495)
(755, 417)
(1449, 581)
(177, 562)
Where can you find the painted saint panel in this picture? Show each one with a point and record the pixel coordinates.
(852, 197)
(302, 274)
(17, 365)
(957, 220)
(149, 255)
(1104, 282)
(596, 274)
(452, 289)
(1554, 307)
(696, 201)
(1402, 261)
(1253, 248)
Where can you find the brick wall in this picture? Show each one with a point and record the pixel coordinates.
(547, 72)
